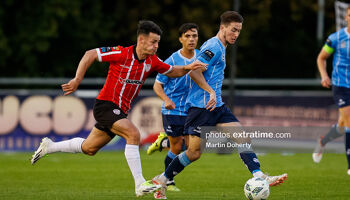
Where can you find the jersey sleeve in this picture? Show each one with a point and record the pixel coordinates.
(330, 44)
(208, 54)
(162, 67)
(162, 78)
(109, 54)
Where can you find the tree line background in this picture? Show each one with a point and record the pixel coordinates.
(47, 38)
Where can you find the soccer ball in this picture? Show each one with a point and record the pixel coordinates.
(257, 189)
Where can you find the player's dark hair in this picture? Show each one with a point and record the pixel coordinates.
(230, 16)
(147, 26)
(187, 26)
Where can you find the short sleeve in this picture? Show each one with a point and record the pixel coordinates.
(109, 54)
(161, 67)
(208, 54)
(162, 79)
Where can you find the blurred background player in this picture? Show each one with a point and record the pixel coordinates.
(206, 107)
(173, 91)
(339, 44)
(129, 67)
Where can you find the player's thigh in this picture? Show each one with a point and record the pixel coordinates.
(126, 129)
(95, 141)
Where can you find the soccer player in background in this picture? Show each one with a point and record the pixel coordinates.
(129, 67)
(173, 91)
(339, 44)
(206, 107)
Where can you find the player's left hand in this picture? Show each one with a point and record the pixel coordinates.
(211, 105)
(70, 87)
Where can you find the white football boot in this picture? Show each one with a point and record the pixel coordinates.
(317, 154)
(42, 150)
(275, 180)
(146, 188)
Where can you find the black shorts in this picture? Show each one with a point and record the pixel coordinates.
(341, 96)
(106, 113)
(174, 125)
(198, 117)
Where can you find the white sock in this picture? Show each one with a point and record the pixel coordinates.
(258, 174)
(68, 146)
(132, 156)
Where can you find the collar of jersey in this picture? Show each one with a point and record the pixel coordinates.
(135, 54)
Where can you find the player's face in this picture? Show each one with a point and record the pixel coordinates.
(189, 39)
(150, 43)
(347, 17)
(231, 31)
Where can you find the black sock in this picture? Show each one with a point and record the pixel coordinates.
(177, 165)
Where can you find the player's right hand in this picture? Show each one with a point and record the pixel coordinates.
(70, 87)
(198, 65)
(212, 101)
(326, 82)
(169, 104)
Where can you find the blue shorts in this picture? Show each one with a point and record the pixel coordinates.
(174, 125)
(341, 96)
(198, 117)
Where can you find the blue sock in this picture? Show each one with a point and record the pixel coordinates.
(347, 145)
(177, 165)
(169, 157)
(251, 161)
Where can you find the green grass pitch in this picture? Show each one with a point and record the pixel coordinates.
(106, 176)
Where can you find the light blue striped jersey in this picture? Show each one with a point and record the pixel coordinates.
(213, 53)
(339, 43)
(176, 88)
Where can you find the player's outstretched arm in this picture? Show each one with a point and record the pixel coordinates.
(158, 89)
(179, 71)
(198, 78)
(85, 62)
(322, 68)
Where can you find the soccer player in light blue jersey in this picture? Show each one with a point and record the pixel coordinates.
(338, 44)
(206, 107)
(173, 91)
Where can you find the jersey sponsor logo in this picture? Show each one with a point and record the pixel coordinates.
(116, 111)
(207, 55)
(130, 81)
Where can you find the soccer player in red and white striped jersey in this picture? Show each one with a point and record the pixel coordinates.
(128, 70)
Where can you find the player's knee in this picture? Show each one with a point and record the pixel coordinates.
(133, 137)
(89, 150)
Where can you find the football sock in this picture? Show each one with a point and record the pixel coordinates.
(347, 145)
(132, 156)
(250, 160)
(177, 165)
(68, 146)
(169, 157)
(333, 133)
